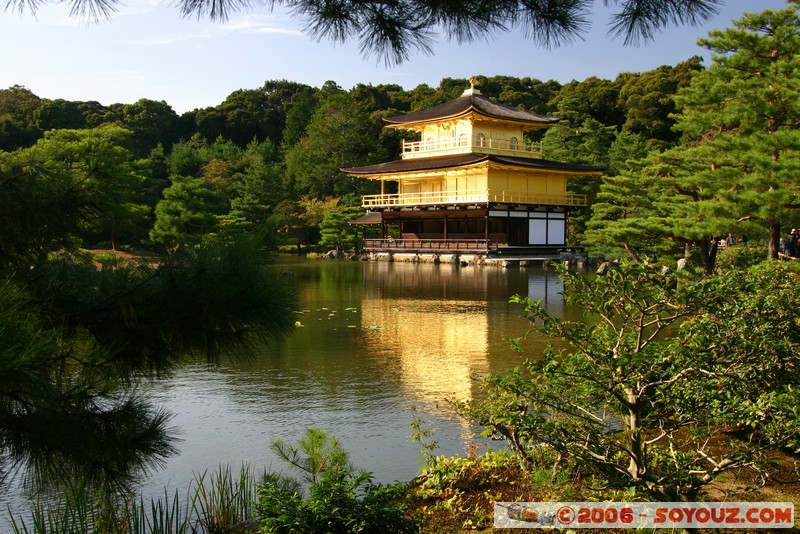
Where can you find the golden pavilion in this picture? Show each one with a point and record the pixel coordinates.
(472, 184)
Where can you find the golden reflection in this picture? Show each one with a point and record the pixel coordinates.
(436, 346)
(434, 342)
(435, 329)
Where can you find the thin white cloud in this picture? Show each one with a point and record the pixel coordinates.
(138, 7)
(171, 39)
(243, 25)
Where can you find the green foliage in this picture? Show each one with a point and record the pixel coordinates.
(742, 112)
(314, 454)
(73, 334)
(627, 147)
(741, 256)
(340, 498)
(340, 134)
(117, 182)
(737, 170)
(187, 157)
(70, 184)
(336, 231)
(460, 491)
(339, 503)
(287, 219)
(647, 97)
(592, 98)
(45, 206)
(218, 186)
(58, 114)
(188, 213)
(424, 436)
(448, 475)
(255, 190)
(588, 142)
(154, 123)
(248, 115)
(663, 366)
(223, 499)
(667, 199)
(17, 123)
(301, 221)
(299, 114)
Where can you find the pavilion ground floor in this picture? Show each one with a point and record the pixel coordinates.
(494, 230)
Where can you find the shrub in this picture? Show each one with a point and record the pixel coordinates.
(341, 499)
(742, 255)
(644, 395)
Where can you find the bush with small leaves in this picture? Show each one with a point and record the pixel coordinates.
(341, 499)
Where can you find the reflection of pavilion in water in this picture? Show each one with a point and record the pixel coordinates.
(548, 288)
(438, 327)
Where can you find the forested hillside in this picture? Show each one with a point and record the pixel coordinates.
(272, 154)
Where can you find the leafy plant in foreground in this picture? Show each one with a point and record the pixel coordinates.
(340, 498)
(667, 384)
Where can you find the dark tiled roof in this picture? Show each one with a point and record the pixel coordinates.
(467, 103)
(418, 164)
(547, 164)
(443, 162)
(371, 217)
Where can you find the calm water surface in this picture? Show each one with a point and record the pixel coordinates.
(375, 339)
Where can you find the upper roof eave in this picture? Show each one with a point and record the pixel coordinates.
(470, 103)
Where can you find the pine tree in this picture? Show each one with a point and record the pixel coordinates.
(746, 109)
(336, 231)
(188, 212)
(737, 168)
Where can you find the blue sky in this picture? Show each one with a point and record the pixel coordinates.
(148, 50)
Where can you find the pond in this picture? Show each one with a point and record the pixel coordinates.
(373, 339)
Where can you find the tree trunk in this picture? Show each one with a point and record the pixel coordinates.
(774, 240)
(708, 254)
(114, 236)
(637, 465)
(632, 253)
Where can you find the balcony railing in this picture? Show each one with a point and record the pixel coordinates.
(430, 245)
(490, 145)
(470, 197)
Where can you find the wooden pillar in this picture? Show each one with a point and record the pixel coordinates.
(445, 226)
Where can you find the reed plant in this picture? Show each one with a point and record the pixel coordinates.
(213, 503)
(227, 500)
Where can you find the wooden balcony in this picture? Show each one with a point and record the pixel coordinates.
(439, 198)
(430, 245)
(462, 145)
